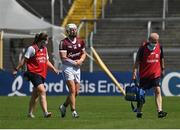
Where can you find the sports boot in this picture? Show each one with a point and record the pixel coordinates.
(30, 115)
(47, 114)
(139, 114)
(62, 110)
(162, 114)
(75, 115)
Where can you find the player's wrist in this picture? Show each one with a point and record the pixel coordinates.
(15, 69)
(80, 61)
(134, 71)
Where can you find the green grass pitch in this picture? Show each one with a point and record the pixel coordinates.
(95, 112)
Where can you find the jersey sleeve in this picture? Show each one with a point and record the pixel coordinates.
(62, 46)
(162, 53)
(83, 45)
(140, 54)
(47, 55)
(30, 52)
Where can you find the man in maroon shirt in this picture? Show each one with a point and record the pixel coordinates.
(150, 60)
(72, 53)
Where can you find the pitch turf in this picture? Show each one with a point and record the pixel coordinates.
(95, 112)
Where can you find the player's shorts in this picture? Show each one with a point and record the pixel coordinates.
(71, 73)
(150, 83)
(35, 79)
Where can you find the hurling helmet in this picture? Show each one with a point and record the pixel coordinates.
(71, 30)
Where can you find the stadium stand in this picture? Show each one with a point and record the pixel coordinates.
(133, 8)
(117, 34)
(83, 10)
(173, 8)
(123, 29)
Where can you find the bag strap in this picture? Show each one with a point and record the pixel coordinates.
(133, 108)
(132, 105)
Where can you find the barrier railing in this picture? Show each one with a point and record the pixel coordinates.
(148, 20)
(165, 11)
(1, 50)
(131, 51)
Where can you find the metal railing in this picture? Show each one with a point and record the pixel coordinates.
(148, 29)
(165, 11)
(52, 11)
(131, 51)
(163, 19)
(149, 21)
(1, 49)
(91, 53)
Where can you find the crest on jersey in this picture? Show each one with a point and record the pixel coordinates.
(69, 46)
(74, 46)
(79, 45)
(156, 56)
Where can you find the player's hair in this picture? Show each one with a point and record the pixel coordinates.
(40, 37)
(36, 38)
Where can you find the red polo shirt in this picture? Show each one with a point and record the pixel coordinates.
(38, 63)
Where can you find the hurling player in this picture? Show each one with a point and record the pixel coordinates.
(72, 53)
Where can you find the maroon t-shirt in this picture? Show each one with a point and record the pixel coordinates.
(74, 50)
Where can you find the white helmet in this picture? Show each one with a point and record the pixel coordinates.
(71, 30)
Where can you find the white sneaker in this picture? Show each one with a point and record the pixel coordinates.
(62, 109)
(47, 114)
(75, 115)
(30, 115)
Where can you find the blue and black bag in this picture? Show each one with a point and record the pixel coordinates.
(135, 93)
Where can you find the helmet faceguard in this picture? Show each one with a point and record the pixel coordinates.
(71, 30)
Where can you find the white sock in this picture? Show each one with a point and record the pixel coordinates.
(30, 113)
(74, 112)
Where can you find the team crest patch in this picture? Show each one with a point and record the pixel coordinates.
(74, 46)
(79, 45)
(157, 56)
(69, 46)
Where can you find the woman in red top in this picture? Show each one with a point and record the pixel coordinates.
(150, 60)
(37, 61)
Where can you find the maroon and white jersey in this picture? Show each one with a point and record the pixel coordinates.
(74, 48)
